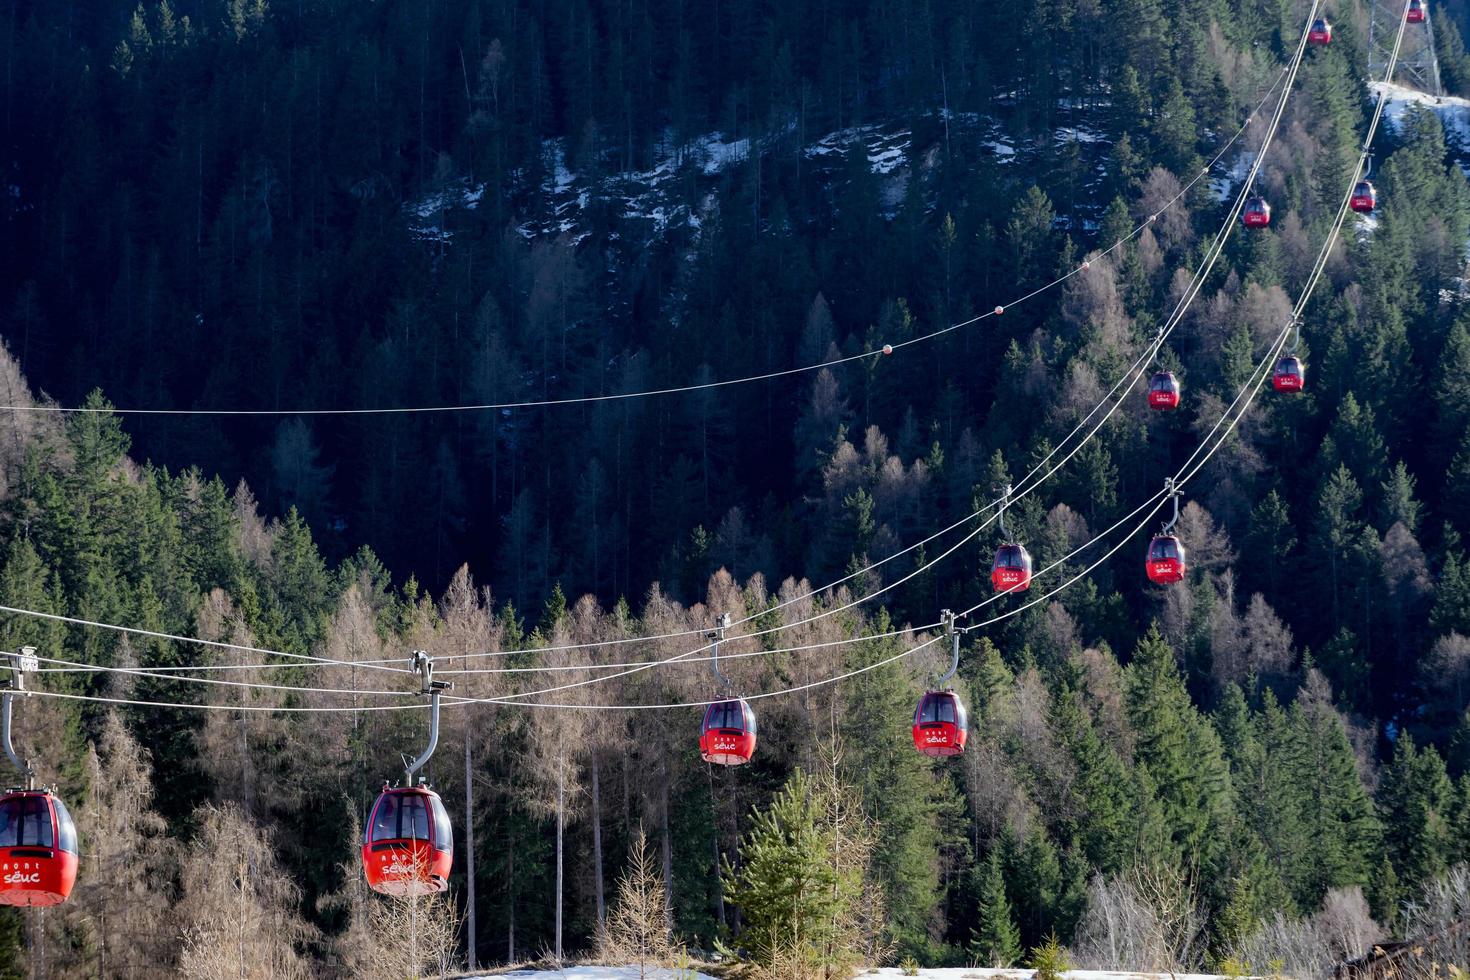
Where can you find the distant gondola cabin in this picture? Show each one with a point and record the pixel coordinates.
(1257, 213)
(1165, 563)
(1321, 32)
(1364, 199)
(727, 737)
(1011, 570)
(1417, 12)
(940, 724)
(1289, 375)
(1163, 392)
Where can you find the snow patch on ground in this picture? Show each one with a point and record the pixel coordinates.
(672, 196)
(886, 148)
(979, 973)
(1453, 111)
(950, 973)
(590, 973)
(426, 217)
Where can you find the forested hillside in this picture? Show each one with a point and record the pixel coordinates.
(324, 205)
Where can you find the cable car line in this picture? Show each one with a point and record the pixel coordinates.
(251, 685)
(1175, 317)
(1181, 308)
(1183, 305)
(306, 658)
(1287, 71)
(1181, 478)
(1154, 500)
(790, 690)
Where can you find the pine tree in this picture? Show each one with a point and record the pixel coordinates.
(1182, 752)
(1270, 533)
(1337, 814)
(1399, 505)
(1098, 804)
(798, 893)
(1451, 610)
(994, 939)
(1416, 804)
(898, 787)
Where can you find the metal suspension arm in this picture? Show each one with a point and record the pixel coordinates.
(715, 636)
(1173, 492)
(1005, 499)
(19, 663)
(947, 618)
(425, 668)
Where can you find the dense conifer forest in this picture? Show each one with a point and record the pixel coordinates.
(278, 205)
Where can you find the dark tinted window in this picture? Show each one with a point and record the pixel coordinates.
(385, 818)
(400, 816)
(727, 714)
(928, 709)
(1164, 548)
(25, 821)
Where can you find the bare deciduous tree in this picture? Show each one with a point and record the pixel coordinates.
(1310, 947)
(238, 907)
(1149, 919)
(638, 924)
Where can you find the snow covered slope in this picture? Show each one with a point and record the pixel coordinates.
(1453, 111)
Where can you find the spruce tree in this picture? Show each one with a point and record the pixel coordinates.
(899, 788)
(995, 941)
(1180, 749)
(1416, 803)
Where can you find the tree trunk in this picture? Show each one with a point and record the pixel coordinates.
(714, 802)
(561, 794)
(469, 850)
(668, 842)
(597, 846)
(510, 900)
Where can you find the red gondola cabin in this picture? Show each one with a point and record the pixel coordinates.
(940, 725)
(1257, 213)
(1163, 392)
(728, 735)
(1165, 559)
(1364, 199)
(408, 848)
(1416, 12)
(1011, 571)
(1321, 32)
(1289, 375)
(38, 849)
